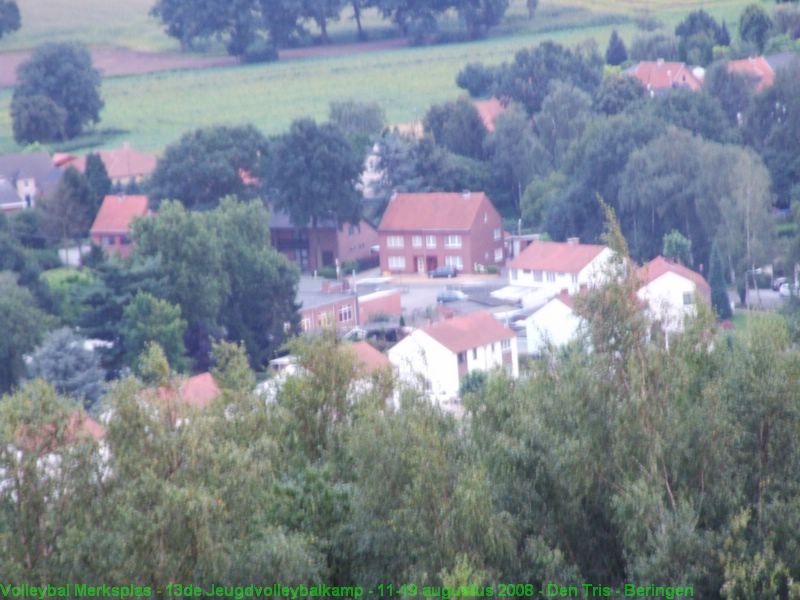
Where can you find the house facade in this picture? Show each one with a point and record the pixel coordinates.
(347, 311)
(443, 353)
(111, 227)
(671, 292)
(343, 243)
(423, 231)
(30, 176)
(550, 267)
(554, 323)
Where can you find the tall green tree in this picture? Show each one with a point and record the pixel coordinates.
(150, 320)
(37, 118)
(732, 90)
(73, 370)
(209, 163)
(458, 127)
(97, 178)
(321, 12)
(719, 290)
(566, 112)
(616, 53)
(313, 177)
(64, 73)
(23, 323)
(617, 93)
(481, 15)
(755, 25)
(9, 17)
(69, 210)
(677, 247)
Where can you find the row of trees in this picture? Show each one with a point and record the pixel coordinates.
(255, 29)
(636, 462)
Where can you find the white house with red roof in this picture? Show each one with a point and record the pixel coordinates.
(659, 76)
(442, 354)
(111, 227)
(671, 292)
(423, 231)
(543, 269)
(555, 323)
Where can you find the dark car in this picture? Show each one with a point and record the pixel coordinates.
(446, 271)
(451, 296)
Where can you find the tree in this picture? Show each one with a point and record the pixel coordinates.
(322, 11)
(313, 177)
(700, 113)
(209, 163)
(150, 320)
(69, 210)
(481, 15)
(458, 127)
(98, 179)
(358, 120)
(477, 79)
(772, 127)
(37, 119)
(698, 34)
(653, 47)
(616, 53)
(73, 370)
(9, 17)
(531, 6)
(617, 93)
(566, 111)
(527, 78)
(732, 90)
(755, 25)
(677, 247)
(63, 72)
(23, 325)
(719, 290)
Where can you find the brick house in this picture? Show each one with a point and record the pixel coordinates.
(346, 311)
(111, 227)
(343, 243)
(420, 232)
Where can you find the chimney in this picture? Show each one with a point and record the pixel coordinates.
(564, 292)
(465, 194)
(573, 241)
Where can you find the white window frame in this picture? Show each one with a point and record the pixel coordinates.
(345, 313)
(394, 241)
(497, 233)
(324, 319)
(551, 276)
(396, 262)
(305, 324)
(452, 241)
(537, 276)
(498, 254)
(416, 241)
(456, 261)
(688, 296)
(430, 241)
(505, 345)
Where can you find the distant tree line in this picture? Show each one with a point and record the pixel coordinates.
(256, 29)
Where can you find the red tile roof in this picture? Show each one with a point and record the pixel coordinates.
(79, 425)
(369, 356)
(122, 163)
(662, 75)
(756, 68)
(465, 332)
(660, 266)
(432, 211)
(565, 299)
(489, 110)
(199, 391)
(560, 257)
(117, 213)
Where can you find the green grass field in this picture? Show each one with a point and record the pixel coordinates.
(151, 111)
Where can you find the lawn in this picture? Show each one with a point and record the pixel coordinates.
(151, 111)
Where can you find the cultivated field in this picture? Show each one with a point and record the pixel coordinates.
(152, 110)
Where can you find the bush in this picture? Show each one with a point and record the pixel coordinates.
(653, 47)
(492, 270)
(476, 78)
(647, 22)
(260, 51)
(786, 20)
(37, 119)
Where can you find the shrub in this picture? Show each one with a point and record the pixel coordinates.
(260, 51)
(476, 78)
(327, 272)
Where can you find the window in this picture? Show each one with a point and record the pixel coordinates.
(537, 275)
(454, 261)
(305, 324)
(394, 241)
(574, 278)
(462, 357)
(497, 233)
(551, 276)
(505, 345)
(474, 354)
(124, 240)
(345, 313)
(452, 241)
(287, 327)
(416, 241)
(498, 255)
(397, 262)
(430, 241)
(513, 274)
(485, 217)
(324, 319)
(688, 298)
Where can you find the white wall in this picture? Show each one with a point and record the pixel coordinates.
(421, 355)
(555, 323)
(664, 297)
(592, 274)
(486, 358)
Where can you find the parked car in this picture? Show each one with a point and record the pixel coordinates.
(787, 289)
(778, 282)
(446, 271)
(451, 296)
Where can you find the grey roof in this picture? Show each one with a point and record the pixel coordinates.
(780, 60)
(36, 165)
(8, 193)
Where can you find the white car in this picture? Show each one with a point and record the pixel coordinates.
(787, 289)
